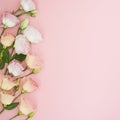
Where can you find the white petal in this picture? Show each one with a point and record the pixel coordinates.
(26, 107)
(22, 45)
(15, 68)
(6, 99)
(32, 34)
(28, 5)
(7, 84)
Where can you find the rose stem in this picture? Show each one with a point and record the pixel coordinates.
(14, 12)
(27, 118)
(14, 116)
(3, 30)
(25, 75)
(21, 14)
(18, 96)
(2, 110)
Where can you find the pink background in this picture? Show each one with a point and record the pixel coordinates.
(81, 50)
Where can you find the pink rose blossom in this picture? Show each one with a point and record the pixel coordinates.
(22, 45)
(9, 19)
(28, 5)
(29, 85)
(33, 62)
(6, 99)
(32, 34)
(26, 107)
(15, 68)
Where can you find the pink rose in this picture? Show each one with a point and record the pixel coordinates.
(33, 62)
(22, 45)
(9, 19)
(32, 34)
(7, 39)
(26, 107)
(29, 85)
(28, 5)
(6, 83)
(6, 99)
(15, 68)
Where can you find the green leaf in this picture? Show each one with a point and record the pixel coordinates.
(1, 47)
(6, 55)
(19, 57)
(2, 64)
(11, 106)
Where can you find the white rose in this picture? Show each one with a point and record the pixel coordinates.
(32, 34)
(6, 99)
(26, 107)
(7, 39)
(28, 5)
(15, 68)
(9, 19)
(6, 83)
(29, 85)
(22, 45)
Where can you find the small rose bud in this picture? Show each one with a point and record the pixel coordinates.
(6, 99)
(32, 13)
(31, 114)
(28, 5)
(15, 68)
(22, 45)
(36, 70)
(24, 24)
(32, 34)
(9, 20)
(16, 88)
(26, 107)
(29, 85)
(7, 39)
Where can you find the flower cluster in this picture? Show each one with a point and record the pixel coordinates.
(17, 63)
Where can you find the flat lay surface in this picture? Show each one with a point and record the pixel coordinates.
(80, 79)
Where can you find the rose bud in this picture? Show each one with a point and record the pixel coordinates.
(32, 34)
(33, 62)
(7, 84)
(9, 20)
(26, 107)
(22, 45)
(29, 85)
(7, 39)
(6, 99)
(28, 5)
(15, 68)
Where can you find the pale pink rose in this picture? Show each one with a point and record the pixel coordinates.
(28, 5)
(6, 99)
(32, 34)
(33, 61)
(15, 68)
(22, 45)
(6, 83)
(29, 85)
(7, 39)
(26, 107)
(9, 19)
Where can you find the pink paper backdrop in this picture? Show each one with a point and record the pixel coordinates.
(81, 50)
